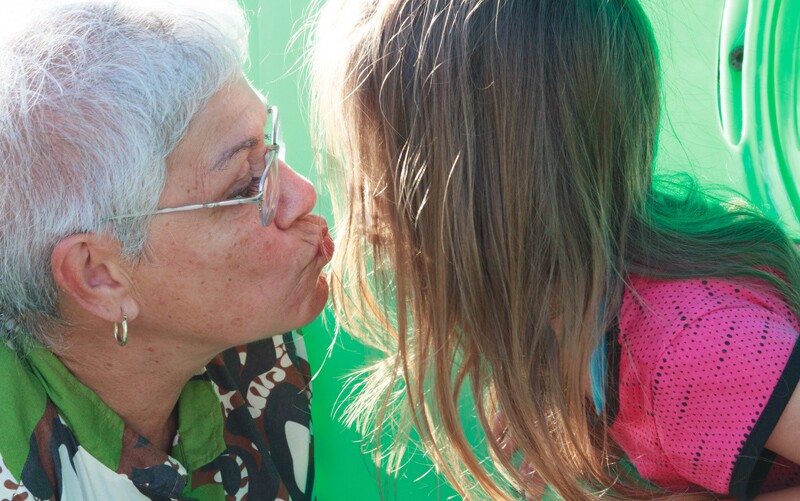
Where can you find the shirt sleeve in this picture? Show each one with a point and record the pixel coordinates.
(717, 392)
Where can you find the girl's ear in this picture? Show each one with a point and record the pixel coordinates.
(89, 268)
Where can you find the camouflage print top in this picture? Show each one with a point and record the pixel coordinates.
(244, 432)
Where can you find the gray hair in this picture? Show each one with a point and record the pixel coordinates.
(93, 97)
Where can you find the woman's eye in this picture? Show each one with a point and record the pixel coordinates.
(248, 191)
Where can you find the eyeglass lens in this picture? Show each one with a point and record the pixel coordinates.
(270, 181)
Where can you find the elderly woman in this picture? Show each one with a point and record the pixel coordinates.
(143, 352)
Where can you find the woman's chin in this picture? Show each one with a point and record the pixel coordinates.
(312, 307)
(320, 297)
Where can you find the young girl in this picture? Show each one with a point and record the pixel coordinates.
(502, 235)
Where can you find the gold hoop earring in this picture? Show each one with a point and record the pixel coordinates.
(121, 333)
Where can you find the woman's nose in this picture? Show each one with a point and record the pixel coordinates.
(297, 197)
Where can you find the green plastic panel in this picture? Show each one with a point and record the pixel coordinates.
(731, 82)
(731, 117)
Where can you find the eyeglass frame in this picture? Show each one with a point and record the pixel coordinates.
(276, 150)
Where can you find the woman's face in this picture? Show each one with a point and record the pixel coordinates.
(215, 278)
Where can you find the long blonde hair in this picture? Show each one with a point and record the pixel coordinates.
(496, 179)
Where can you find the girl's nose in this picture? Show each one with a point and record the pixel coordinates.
(297, 197)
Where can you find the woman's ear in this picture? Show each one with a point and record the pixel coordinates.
(88, 267)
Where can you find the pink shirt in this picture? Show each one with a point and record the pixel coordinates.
(705, 369)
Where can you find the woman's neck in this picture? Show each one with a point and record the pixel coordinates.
(141, 381)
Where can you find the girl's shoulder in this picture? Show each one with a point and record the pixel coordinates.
(676, 304)
(699, 363)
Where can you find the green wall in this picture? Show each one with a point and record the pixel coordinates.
(733, 121)
(729, 124)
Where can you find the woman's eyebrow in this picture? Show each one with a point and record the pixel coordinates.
(226, 155)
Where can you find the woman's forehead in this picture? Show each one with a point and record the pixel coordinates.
(232, 119)
(236, 103)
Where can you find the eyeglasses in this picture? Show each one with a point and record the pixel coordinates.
(268, 186)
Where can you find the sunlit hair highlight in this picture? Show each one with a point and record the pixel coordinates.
(494, 160)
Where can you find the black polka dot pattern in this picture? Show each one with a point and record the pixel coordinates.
(705, 370)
